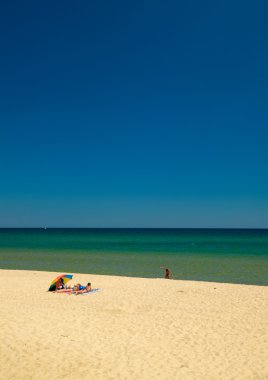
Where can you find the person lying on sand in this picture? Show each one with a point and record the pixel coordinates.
(70, 289)
(76, 289)
(85, 289)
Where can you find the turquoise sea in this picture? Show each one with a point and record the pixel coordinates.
(221, 255)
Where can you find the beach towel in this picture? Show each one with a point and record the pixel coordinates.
(91, 291)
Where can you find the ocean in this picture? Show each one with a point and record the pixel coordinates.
(220, 255)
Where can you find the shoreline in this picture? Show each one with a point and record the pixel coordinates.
(133, 277)
(134, 328)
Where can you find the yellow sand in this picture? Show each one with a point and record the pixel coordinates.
(133, 329)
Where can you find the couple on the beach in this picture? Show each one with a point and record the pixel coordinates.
(75, 289)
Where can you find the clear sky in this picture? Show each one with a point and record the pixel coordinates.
(134, 114)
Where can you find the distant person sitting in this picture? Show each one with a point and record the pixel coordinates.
(167, 274)
(60, 285)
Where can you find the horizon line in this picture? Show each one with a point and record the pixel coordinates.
(140, 228)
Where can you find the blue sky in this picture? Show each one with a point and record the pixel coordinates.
(143, 114)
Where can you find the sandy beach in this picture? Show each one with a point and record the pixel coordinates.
(134, 328)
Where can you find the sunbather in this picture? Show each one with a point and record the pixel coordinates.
(76, 289)
(70, 289)
(85, 289)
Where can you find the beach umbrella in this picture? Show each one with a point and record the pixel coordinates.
(64, 278)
